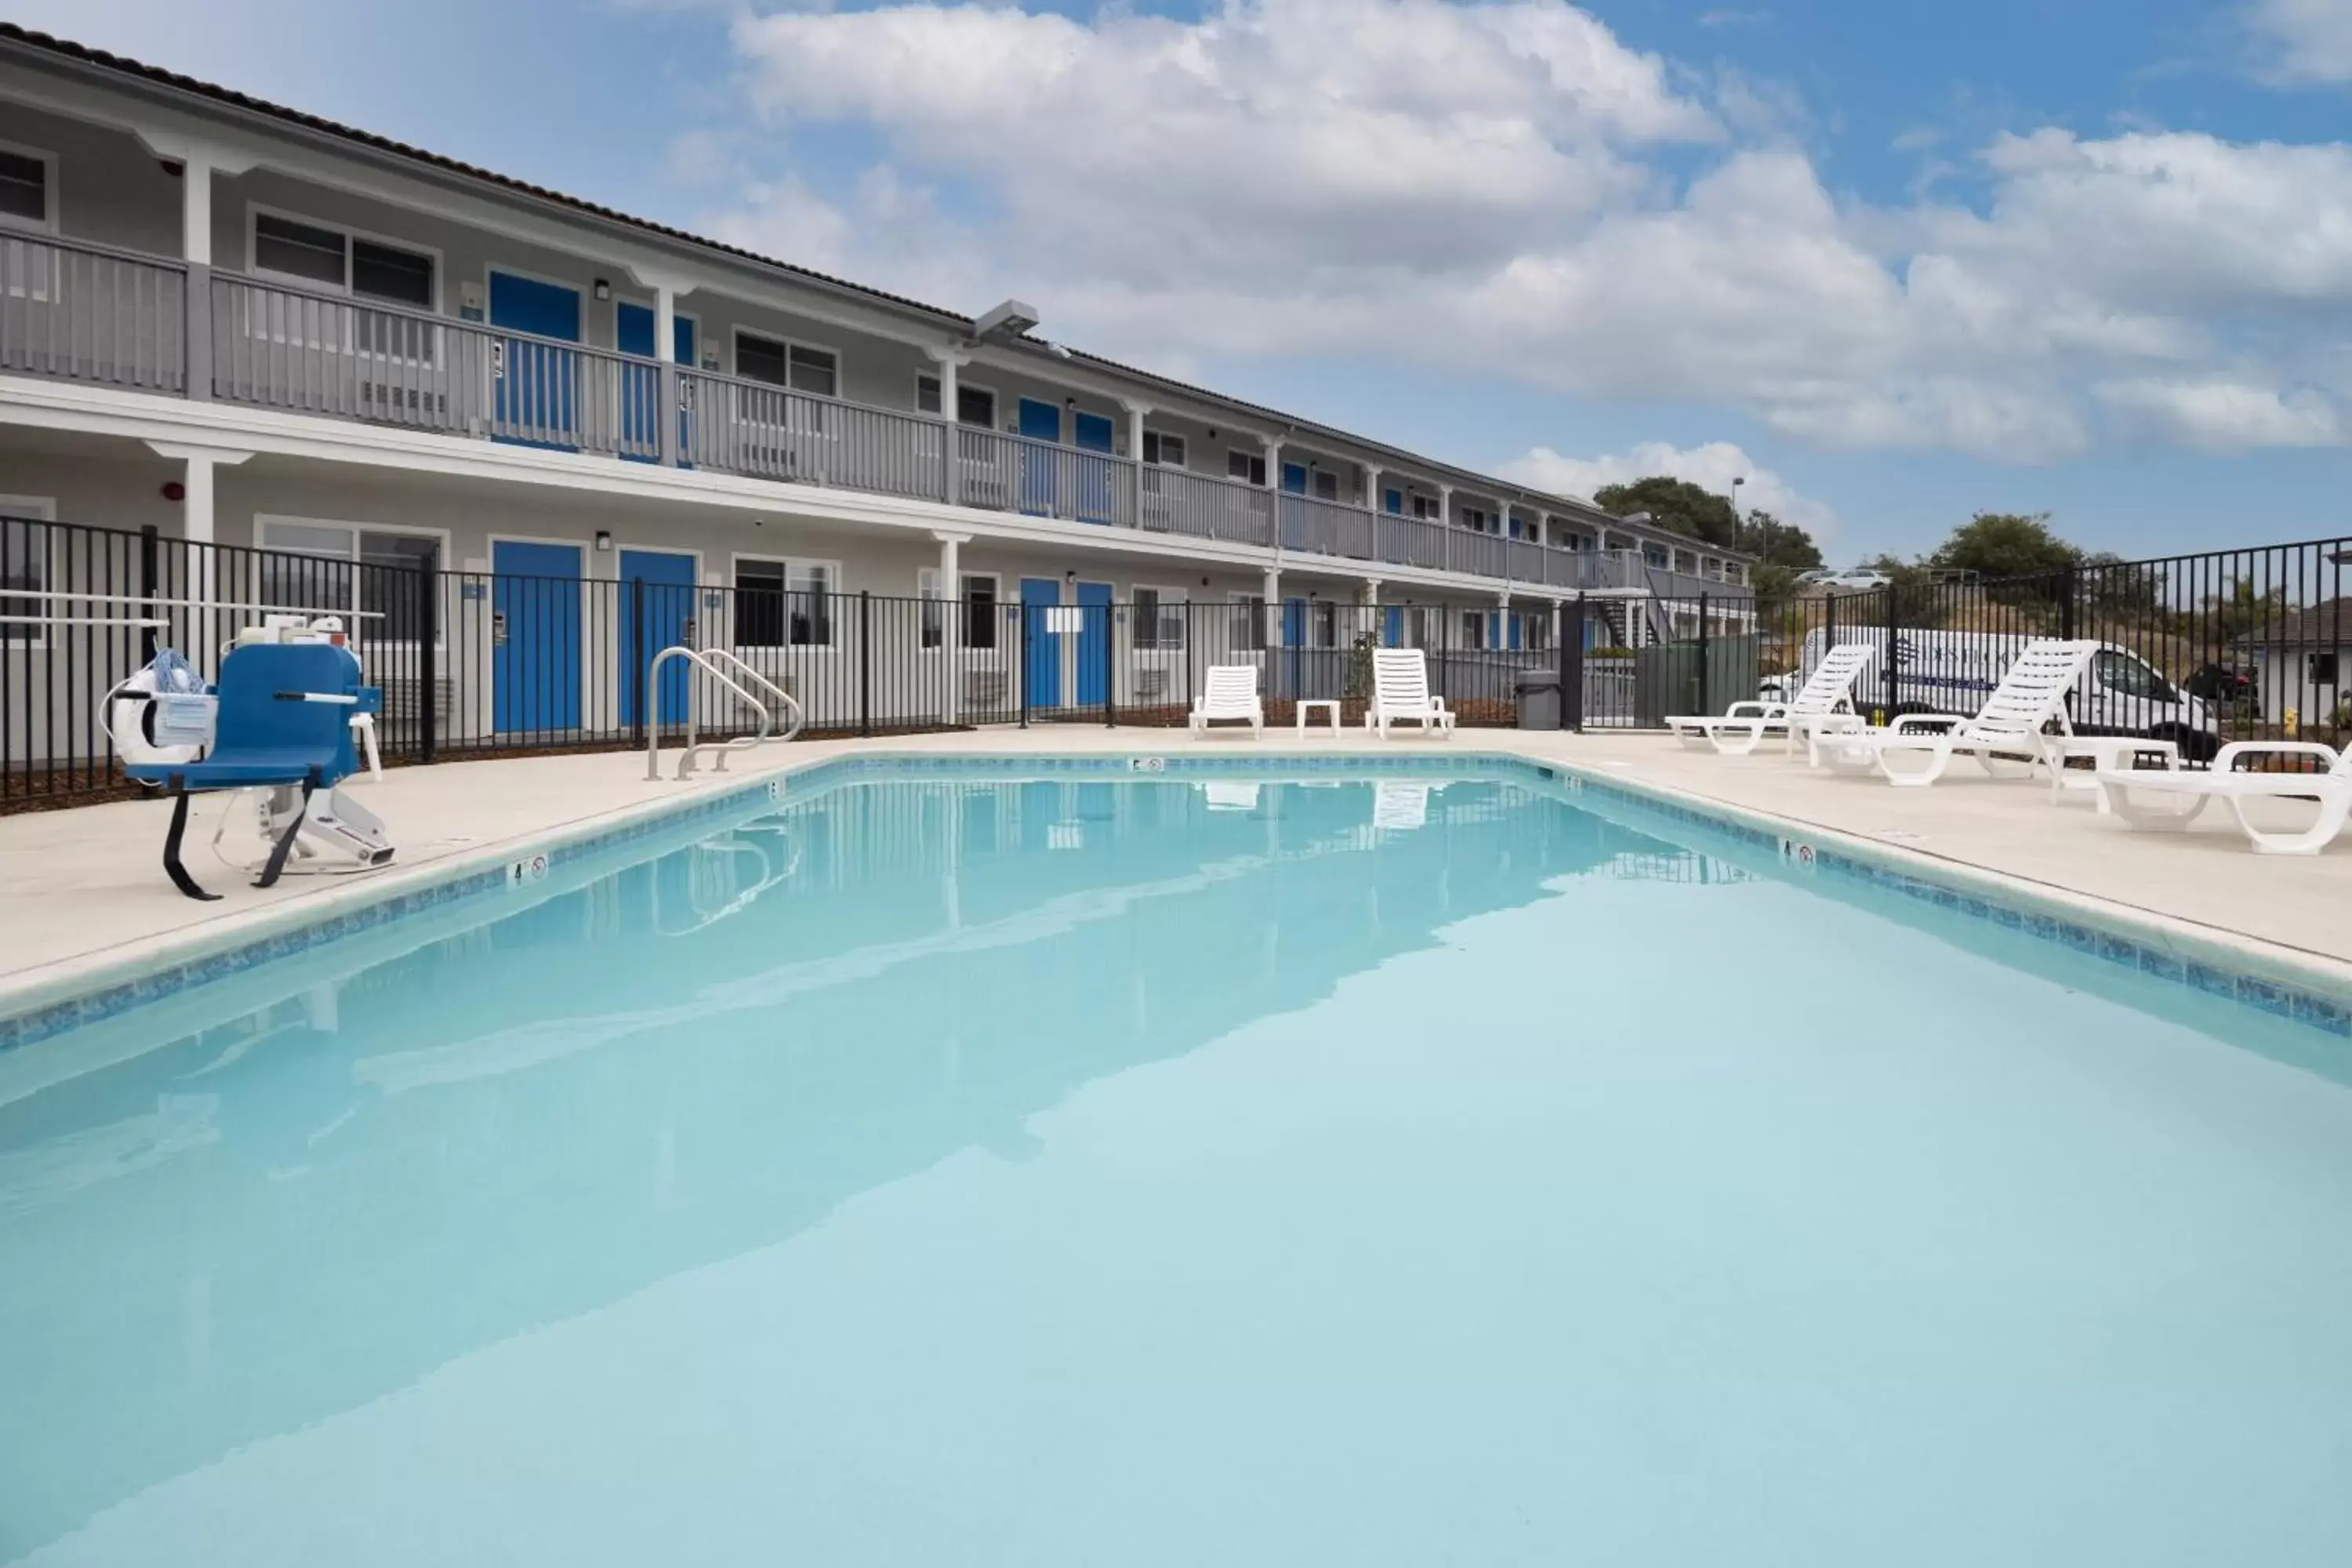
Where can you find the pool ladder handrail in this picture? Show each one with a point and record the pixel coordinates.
(704, 660)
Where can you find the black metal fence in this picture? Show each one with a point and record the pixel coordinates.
(482, 665)
(2201, 649)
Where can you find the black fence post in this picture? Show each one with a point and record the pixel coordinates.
(1893, 663)
(428, 667)
(1706, 649)
(865, 662)
(147, 565)
(1110, 665)
(2066, 604)
(1571, 666)
(1021, 668)
(635, 671)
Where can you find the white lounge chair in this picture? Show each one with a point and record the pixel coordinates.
(2187, 794)
(1229, 695)
(1401, 694)
(2030, 700)
(1824, 702)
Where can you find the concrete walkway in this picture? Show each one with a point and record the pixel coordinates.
(83, 890)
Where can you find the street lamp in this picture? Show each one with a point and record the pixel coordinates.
(1735, 511)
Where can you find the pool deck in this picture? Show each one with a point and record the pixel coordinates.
(82, 893)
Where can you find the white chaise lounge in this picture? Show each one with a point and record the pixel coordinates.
(1229, 695)
(1917, 748)
(2185, 796)
(1825, 702)
(1401, 694)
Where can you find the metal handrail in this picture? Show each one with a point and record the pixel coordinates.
(653, 716)
(799, 716)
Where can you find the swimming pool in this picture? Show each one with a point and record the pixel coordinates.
(1171, 1170)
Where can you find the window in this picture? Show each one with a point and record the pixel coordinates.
(1426, 508)
(978, 609)
(345, 263)
(974, 405)
(1247, 466)
(1323, 625)
(1535, 632)
(782, 604)
(1685, 561)
(1326, 484)
(2129, 676)
(377, 576)
(1168, 451)
(795, 366)
(1245, 623)
(1733, 574)
(1158, 620)
(1473, 629)
(2320, 667)
(26, 549)
(28, 182)
(1474, 519)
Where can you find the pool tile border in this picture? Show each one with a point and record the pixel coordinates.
(2211, 971)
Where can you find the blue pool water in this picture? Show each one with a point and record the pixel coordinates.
(1073, 1172)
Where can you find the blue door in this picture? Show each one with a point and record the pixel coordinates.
(633, 333)
(1040, 669)
(1092, 433)
(535, 392)
(1392, 502)
(1512, 623)
(534, 636)
(1392, 628)
(1094, 644)
(1039, 486)
(657, 611)
(1294, 642)
(1294, 516)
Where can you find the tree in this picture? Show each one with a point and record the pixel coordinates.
(1781, 546)
(1676, 505)
(2002, 544)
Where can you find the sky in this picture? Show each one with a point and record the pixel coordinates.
(1892, 261)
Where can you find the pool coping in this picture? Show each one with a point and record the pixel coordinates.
(2310, 988)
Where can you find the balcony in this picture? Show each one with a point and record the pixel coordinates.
(90, 313)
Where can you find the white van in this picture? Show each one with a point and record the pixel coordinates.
(1953, 672)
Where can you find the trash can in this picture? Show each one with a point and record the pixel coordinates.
(1539, 699)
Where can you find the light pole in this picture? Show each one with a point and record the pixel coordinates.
(1734, 510)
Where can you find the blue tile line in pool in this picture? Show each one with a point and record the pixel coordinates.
(2329, 1014)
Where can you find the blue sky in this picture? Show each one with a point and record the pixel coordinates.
(1896, 261)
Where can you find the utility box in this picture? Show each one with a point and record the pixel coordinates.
(1538, 693)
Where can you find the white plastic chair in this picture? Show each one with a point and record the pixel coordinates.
(2013, 721)
(1401, 694)
(1229, 694)
(2187, 794)
(1825, 702)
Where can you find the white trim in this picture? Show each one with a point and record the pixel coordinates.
(734, 358)
(833, 591)
(254, 211)
(995, 399)
(1167, 596)
(1271, 480)
(41, 509)
(441, 537)
(1163, 437)
(48, 222)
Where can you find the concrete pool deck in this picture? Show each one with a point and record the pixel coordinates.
(82, 893)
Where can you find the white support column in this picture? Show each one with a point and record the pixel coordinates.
(952, 623)
(1371, 487)
(672, 388)
(208, 628)
(1135, 413)
(197, 250)
(1445, 505)
(1273, 592)
(951, 445)
(1274, 489)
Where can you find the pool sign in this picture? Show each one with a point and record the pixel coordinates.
(1798, 851)
(531, 869)
(1146, 765)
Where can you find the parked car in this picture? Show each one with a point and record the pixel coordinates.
(1953, 672)
(2230, 690)
(1856, 580)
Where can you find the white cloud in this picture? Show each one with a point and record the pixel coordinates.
(2227, 415)
(1711, 467)
(2302, 41)
(1510, 189)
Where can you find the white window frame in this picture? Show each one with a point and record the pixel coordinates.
(256, 211)
(927, 588)
(1184, 443)
(1166, 598)
(48, 222)
(1424, 508)
(1259, 639)
(41, 509)
(996, 401)
(263, 522)
(1473, 517)
(792, 564)
(1258, 465)
(840, 364)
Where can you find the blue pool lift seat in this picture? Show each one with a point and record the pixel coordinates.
(284, 722)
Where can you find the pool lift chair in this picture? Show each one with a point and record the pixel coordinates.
(289, 724)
